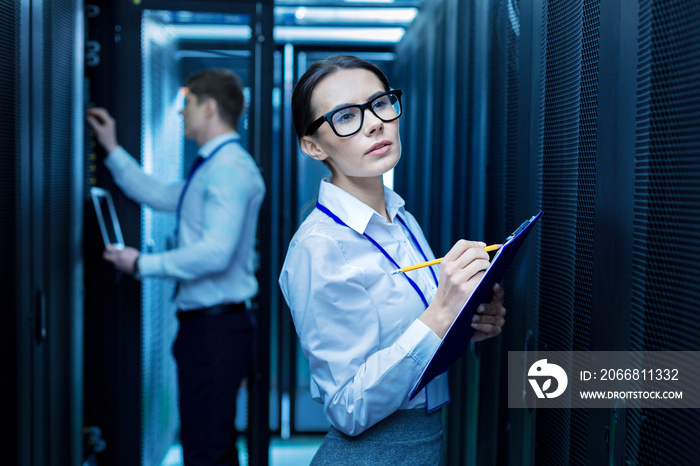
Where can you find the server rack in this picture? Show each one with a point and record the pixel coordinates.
(585, 110)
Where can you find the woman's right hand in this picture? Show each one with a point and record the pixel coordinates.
(460, 272)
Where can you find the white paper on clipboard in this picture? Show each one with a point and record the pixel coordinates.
(107, 218)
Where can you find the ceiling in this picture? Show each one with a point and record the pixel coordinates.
(378, 21)
(340, 3)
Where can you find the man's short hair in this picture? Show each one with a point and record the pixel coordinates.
(225, 87)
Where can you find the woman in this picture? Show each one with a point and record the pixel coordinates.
(368, 334)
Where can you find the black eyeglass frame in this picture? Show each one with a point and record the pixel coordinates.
(316, 124)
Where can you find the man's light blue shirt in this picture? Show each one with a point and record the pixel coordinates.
(214, 260)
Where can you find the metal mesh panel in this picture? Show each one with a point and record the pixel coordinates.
(560, 174)
(667, 192)
(462, 412)
(464, 120)
(497, 127)
(9, 78)
(586, 175)
(510, 15)
(666, 280)
(9, 219)
(162, 152)
(500, 212)
(58, 188)
(559, 203)
(579, 429)
(502, 189)
(540, 156)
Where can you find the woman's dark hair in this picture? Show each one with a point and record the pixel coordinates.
(225, 87)
(302, 109)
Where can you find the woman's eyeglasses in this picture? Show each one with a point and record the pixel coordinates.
(346, 121)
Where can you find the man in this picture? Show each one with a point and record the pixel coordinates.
(217, 209)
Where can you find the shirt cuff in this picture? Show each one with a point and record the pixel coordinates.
(419, 342)
(150, 264)
(117, 160)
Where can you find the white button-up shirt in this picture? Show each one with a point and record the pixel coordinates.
(358, 324)
(215, 257)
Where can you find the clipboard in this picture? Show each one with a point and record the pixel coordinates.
(459, 334)
(107, 217)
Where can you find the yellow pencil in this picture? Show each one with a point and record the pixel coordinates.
(493, 247)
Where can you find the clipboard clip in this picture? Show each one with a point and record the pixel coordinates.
(521, 228)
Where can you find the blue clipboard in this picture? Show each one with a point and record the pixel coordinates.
(459, 334)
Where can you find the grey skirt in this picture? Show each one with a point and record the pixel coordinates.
(407, 437)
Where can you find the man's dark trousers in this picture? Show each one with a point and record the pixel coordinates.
(213, 354)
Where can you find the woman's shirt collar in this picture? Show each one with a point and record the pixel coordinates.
(355, 213)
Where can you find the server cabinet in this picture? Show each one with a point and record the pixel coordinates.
(42, 203)
(585, 110)
(146, 51)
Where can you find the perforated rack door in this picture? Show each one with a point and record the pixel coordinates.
(666, 276)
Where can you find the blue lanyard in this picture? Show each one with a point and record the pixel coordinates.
(196, 167)
(415, 241)
(415, 286)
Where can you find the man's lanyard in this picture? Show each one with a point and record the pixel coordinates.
(415, 286)
(197, 165)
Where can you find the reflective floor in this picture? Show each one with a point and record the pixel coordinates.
(297, 451)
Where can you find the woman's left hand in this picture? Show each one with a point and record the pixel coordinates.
(489, 318)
